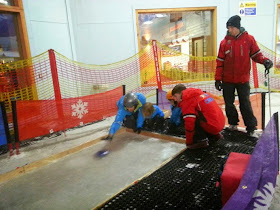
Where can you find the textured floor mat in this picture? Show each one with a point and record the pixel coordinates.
(186, 182)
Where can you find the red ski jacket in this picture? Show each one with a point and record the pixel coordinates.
(197, 104)
(233, 61)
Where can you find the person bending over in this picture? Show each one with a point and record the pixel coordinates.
(127, 115)
(152, 117)
(204, 119)
(176, 124)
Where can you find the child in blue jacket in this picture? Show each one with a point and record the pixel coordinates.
(152, 117)
(128, 113)
(176, 123)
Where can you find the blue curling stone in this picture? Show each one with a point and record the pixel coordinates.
(102, 153)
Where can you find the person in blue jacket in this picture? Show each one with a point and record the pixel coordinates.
(176, 123)
(152, 117)
(128, 112)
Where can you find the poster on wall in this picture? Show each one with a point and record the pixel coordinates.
(248, 8)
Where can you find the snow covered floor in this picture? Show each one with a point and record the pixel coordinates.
(81, 180)
(50, 146)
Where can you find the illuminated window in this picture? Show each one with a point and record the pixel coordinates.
(14, 44)
(7, 2)
(9, 43)
(189, 32)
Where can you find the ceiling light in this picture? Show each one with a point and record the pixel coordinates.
(3, 2)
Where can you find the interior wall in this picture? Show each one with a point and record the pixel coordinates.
(48, 27)
(262, 26)
(104, 31)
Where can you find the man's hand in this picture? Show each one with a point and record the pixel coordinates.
(108, 138)
(268, 64)
(137, 130)
(218, 85)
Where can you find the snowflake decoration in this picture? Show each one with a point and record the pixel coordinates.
(79, 109)
(264, 197)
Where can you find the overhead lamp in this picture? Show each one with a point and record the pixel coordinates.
(160, 15)
(4, 2)
(148, 20)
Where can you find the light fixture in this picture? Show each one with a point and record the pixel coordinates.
(4, 2)
(148, 20)
(160, 15)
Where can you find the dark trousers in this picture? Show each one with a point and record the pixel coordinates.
(155, 124)
(199, 133)
(243, 91)
(130, 121)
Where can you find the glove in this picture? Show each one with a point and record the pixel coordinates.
(218, 85)
(268, 64)
(137, 130)
(108, 138)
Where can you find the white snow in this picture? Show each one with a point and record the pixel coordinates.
(49, 146)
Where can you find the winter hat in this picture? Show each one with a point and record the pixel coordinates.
(234, 21)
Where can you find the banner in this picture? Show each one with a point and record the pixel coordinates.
(258, 183)
(163, 103)
(41, 117)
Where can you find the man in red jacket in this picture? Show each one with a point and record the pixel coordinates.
(233, 72)
(203, 117)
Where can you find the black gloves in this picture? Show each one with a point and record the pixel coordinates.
(108, 138)
(137, 130)
(218, 85)
(268, 64)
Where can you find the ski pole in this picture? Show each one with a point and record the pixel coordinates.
(268, 86)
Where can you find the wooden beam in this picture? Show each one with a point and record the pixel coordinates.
(160, 136)
(23, 35)
(10, 8)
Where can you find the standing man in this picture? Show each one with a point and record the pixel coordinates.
(233, 73)
(204, 119)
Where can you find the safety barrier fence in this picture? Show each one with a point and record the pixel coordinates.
(257, 102)
(51, 76)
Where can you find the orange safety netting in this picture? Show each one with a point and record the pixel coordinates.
(41, 117)
(51, 75)
(256, 102)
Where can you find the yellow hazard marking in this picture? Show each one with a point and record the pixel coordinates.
(251, 4)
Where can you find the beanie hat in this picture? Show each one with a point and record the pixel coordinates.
(234, 21)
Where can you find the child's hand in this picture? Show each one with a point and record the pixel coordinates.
(108, 138)
(137, 130)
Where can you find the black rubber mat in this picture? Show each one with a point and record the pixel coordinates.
(186, 182)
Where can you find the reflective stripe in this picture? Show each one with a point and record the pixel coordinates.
(189, 115)
(220, 59)
(255, 53)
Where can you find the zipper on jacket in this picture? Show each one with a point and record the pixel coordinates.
(241, 48)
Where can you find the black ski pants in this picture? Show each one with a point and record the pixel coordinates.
(243, 92)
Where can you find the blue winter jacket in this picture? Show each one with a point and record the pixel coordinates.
(176, 115)
(122, 112)
(141, 119)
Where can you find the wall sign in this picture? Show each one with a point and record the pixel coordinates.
(248, 8)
